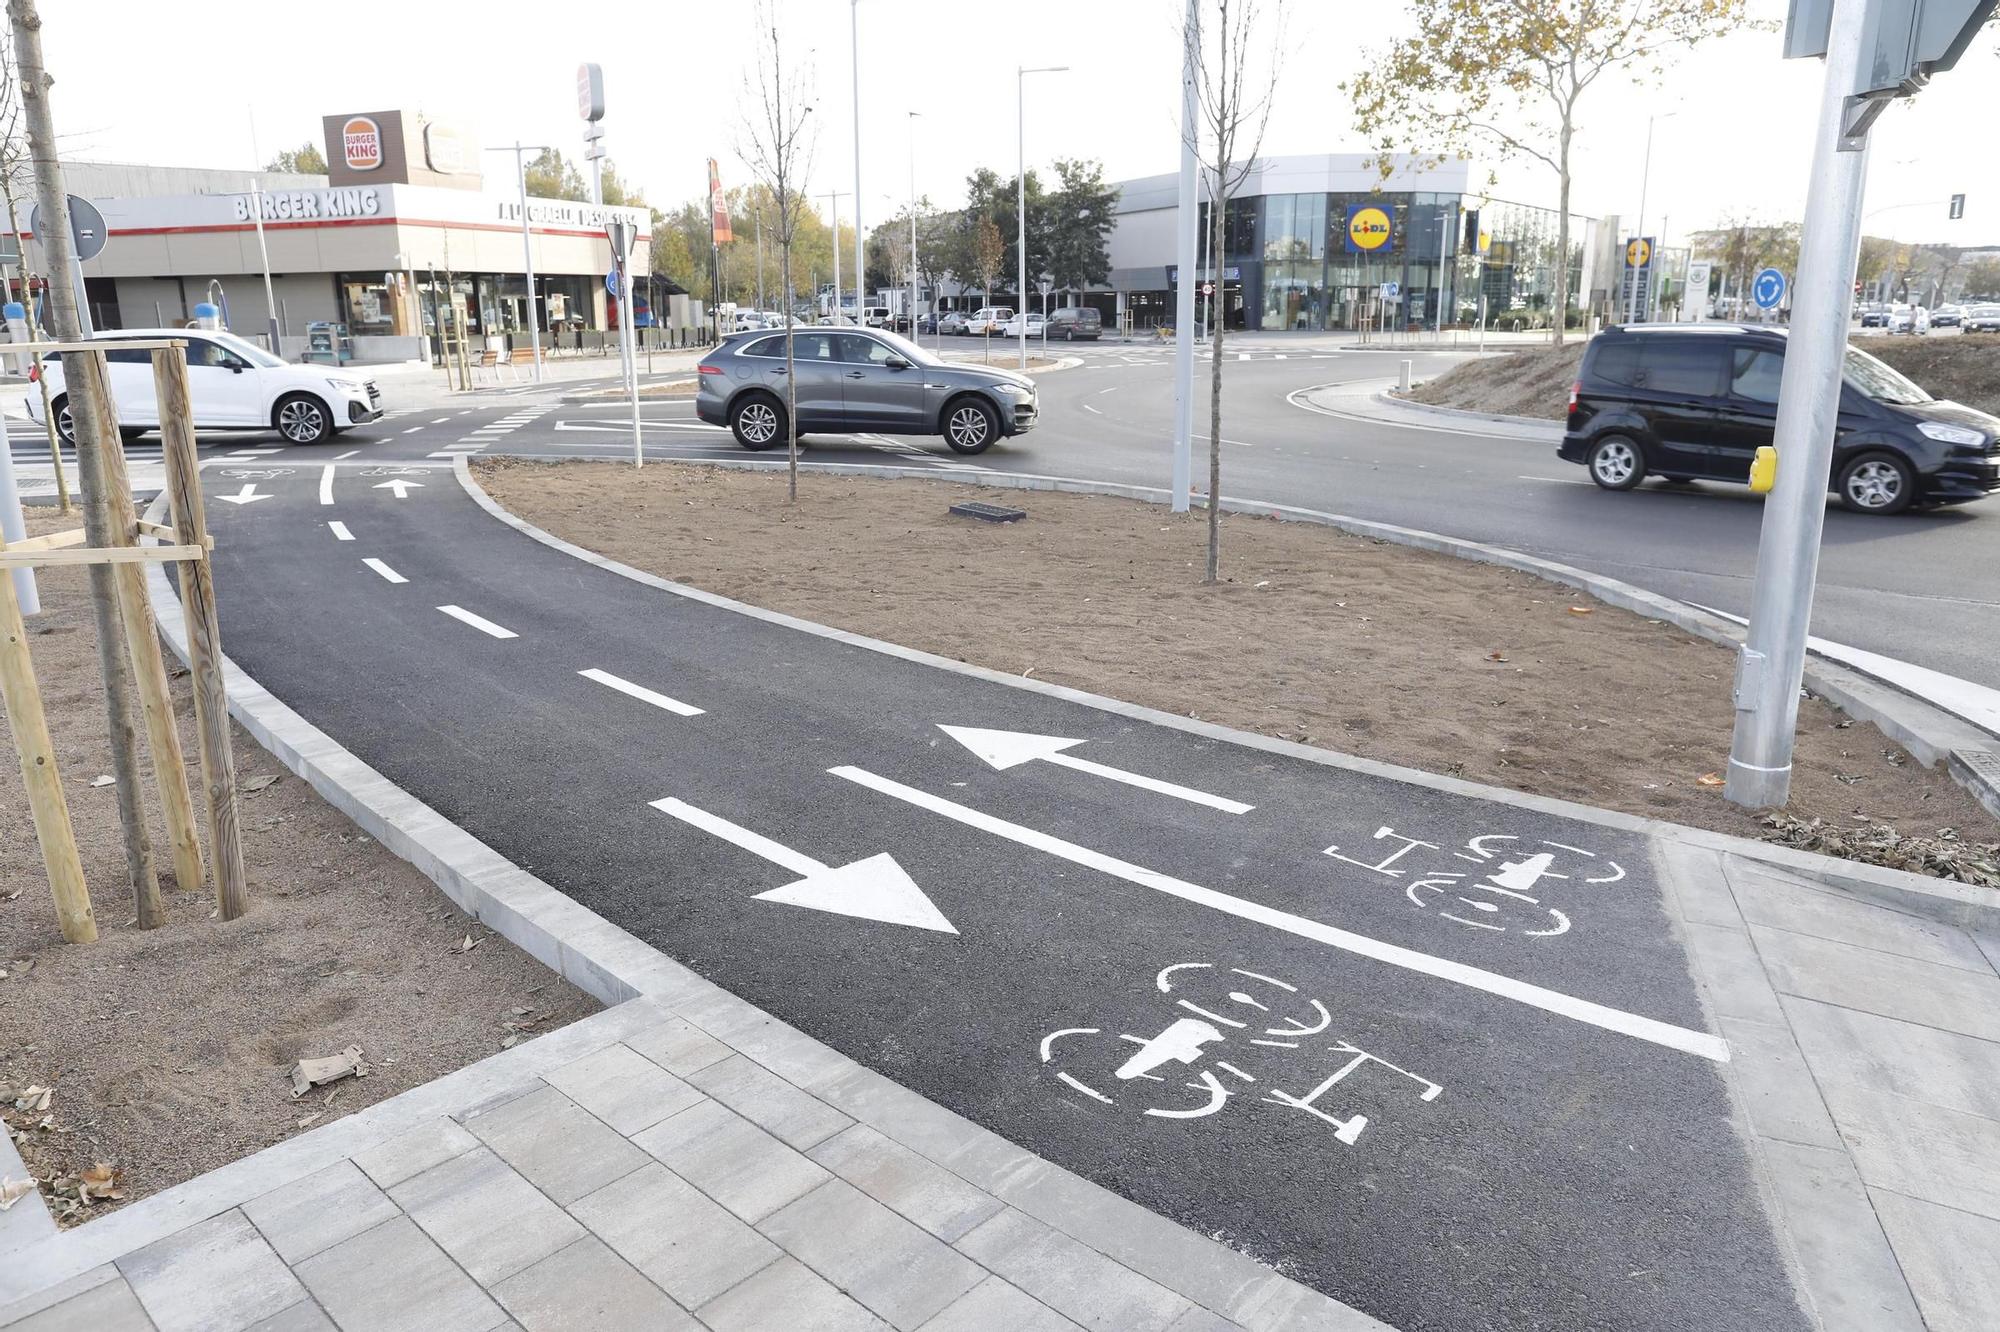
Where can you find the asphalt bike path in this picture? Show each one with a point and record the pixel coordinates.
(1438, 1057)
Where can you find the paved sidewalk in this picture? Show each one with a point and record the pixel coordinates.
(643, 1169)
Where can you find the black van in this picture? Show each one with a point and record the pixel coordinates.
(1075, 321)
(1687, 401)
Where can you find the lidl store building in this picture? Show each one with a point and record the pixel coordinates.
(406, 223)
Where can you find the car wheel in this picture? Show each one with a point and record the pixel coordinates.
(1877, 483)
(1616, 463)
(302, 419)
(970, 426)
(65, 423)
(759, 422)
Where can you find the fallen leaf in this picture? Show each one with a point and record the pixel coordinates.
(259, 782)
(308, 1120)
(1496, 656)
(310, 1073)
(1582, 610)
(469, 944)
(104, 780)
(1709, 779)
(13, 1190)
(101, 1181)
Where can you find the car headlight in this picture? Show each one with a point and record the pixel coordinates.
(1951, 434)
(1011, 388)
(345, 385)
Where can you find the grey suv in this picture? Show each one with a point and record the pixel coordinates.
(858, 379)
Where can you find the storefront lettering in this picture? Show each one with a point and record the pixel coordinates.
(297, 205)
(562, 213)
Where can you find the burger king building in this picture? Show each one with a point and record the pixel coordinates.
(1328, 242)
(404, 226)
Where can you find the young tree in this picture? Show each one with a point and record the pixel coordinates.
(553, 176)
(1873, 263)
(1982, 280)
(988, 252)
(1508, 77)
(304, 160)
(778, 145)
(1234, 83)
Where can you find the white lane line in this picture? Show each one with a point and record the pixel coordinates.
(444, 455)
(340, 532)
(1557, 480)
(1092, 410)
(484, 626)
(1101, 392)
(343, 457)
(413, 430)
(441, 420)
(640, 692)
(1551, 1001)
(755, 843)
(466, 412)
(326, 484)
(384, 570)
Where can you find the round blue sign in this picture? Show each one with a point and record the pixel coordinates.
(1768, 289)
(611, 282)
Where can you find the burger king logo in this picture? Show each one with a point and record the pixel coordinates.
(361, 143)
(1368, 228)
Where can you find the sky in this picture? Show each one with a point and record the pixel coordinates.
(1731, 122)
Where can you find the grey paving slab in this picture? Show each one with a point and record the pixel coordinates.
(320, 1210)
(1951, 1259)
(732, 1160)
(896, 1270)
(770, 1102)
(919, 1189)
(49, 1296)
(1850, 1272)
(1069, 1277)
(623, 1088)
(110, 1307)
(487, 1216)
(1922, 1150)
(778, 1046)
(394, 1279)
(1899, 987)
(305, 1316)
(994, 1304)
(586, 1285)
(678, 1046)
(212, 1277)
(564, 1150)
(1775, 1084)
(414, 1151)
(1201, 1320)
(786, 1295)
(1804, 909)
(683, 1241)
(1737, 984)
(1847, 1045)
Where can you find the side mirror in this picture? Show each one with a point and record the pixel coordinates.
(897, 363)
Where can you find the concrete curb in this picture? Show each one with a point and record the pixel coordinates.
(28, 1221)
(616, 966)
(1388, 398)
(1938, 899)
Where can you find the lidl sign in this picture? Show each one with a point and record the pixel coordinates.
(1369, 228)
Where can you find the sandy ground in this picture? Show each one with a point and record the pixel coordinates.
(1536, 382)
(1353, 644)
(167, 1049)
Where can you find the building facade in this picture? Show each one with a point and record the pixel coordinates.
(402, 230)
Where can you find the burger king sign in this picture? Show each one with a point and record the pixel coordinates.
(361, 143)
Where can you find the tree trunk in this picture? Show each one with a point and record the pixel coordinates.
(1562, 241)
(791, 386)
(1216, 212)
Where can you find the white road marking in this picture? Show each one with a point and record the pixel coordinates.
(384, 570)
(1010, 749)
(340, 532)
(1551, 1001)
(1113, 389)
(484, 626)
(247, 495)
(1092, 410)
(441, 420)
(401, 487)
(326, 484)
(343, 457)
(640, 692)
(1557, 480)
(413, 430)
(736, 834)
(252, 453)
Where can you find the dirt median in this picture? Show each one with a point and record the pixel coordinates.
(1349, 643)
(165, 1051)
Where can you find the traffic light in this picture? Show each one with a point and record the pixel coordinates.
(1957, 207)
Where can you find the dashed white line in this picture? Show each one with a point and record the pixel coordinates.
(640, 692)
(340, 532)
(343, 457)
(441, 420)
(413, 430)
(484, 626)
(252, 453)
(1092, 410)
(389, 573)
(326, 484)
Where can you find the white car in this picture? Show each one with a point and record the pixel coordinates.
(232, 385)
(1909, 319)
(747, 321)
(1012, 328)
(987, 319)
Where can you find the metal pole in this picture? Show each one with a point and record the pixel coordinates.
(528, 257)
(1187, 223)
(762, 304)
(833, 198)
(913, 226)
(1772, 662)
(860, 270)
(1021, 206)
(13, 527)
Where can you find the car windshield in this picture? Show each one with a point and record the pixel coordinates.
(906, 349)
(249, 351)
(1881, 383)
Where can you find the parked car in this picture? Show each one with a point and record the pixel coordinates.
(848, 380)
(987, 319)
(1948, 316)
(232, 385)
(952, 323)
(746, 321)
(1983, 319)
(1076, 321)
(1012, 328)
(1909, 319)
(1698, 401)
(1874, 316)
(875, 316)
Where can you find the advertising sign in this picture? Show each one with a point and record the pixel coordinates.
(450, 149)
(1370, 229)
(1636, 290)
(718, 208)
(361, 143)
(590, 92)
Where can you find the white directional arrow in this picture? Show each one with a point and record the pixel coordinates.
(247, 495)
(873, 889)
(1010, 749)
(400, 486)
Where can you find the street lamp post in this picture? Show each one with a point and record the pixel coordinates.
(528, 247)
(1021, 202)
(913, 226)
(860, 271)
(1645, 181)
(833, 198)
